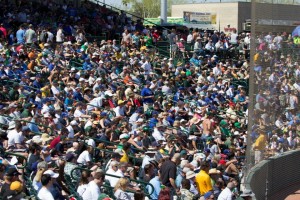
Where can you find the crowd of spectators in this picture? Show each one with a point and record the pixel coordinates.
(99, 120)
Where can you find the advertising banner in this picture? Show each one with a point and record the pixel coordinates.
(199, 18)
(156, 21)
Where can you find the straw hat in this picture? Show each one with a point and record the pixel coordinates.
(214, 171)
(45, 137)
(190, 174)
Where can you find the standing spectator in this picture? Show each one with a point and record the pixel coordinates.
(155, 182)
(44, 193)
(260, 144)
(147, 95)
(3, 30)
(60, 35)
(93, 190)
(203, 181)
(20, 35)
(30, 35)
(168, 172)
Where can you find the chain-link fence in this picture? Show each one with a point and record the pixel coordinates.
(275, 81)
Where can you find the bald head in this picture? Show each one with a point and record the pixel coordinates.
(75, 145)
(176, 157)
(230, 185)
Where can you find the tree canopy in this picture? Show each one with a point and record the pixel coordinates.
(148, 8)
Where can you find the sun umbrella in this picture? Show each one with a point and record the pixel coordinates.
(296, 32)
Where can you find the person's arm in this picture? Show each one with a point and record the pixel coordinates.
(172, 175)
(19, 146)
(172, 181)
(131, 141)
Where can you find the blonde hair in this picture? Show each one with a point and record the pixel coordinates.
(121, 184)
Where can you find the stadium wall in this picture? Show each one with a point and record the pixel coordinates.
(269, 177)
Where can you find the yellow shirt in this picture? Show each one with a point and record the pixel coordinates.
(260, 143)
(256, 56)
(203, 182)
(124, 158)
(45, 92)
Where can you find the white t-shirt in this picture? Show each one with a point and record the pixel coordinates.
(59, 36)
(45, 109)
(50, 37)
(119, 111)
(81, 189)
(45, 194)
(233, 38)
(96, 102)
(158, 135)
(84, 158)
(71, 132)
(189, 38)
(54, 90)
(226, 194)
(78, 113)
(92, 192)
(14, 138)
(147, 67)
(113, 180)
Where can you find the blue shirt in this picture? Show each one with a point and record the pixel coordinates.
(152, 122)
(68, 102)
(87, 66)
(37, 84)
(20, 36)
(156, 185)
(77, 96)
(145, 93)
(171, 120)
(33, 127)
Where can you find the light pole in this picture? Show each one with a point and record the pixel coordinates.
(220, 19)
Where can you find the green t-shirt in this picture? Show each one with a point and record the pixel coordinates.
(188, 73)
(225, 131)
(14, 95)
(148, 42)
(227, 143)
(25, 113)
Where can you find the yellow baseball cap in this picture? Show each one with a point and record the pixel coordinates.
(16, 186)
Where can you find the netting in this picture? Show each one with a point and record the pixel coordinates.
(274, 83)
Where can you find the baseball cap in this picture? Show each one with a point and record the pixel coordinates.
(190, 174)
(124, 136)
(51, 173)
(16, 186)
(69, 156)
(207, 195)
(12, 172)
(120, 102)
(103, 114)
(74, 123)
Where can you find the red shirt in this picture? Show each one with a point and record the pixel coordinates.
(54, 142)
(3, 31)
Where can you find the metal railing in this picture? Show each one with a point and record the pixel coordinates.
(142, 184)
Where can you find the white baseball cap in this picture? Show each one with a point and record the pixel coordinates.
(124, 136)
(74, 123)
(51, 173)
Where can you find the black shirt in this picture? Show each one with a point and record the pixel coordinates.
(6, 192)
(167, 171)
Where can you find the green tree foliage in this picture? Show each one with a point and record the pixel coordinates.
(148, 8)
